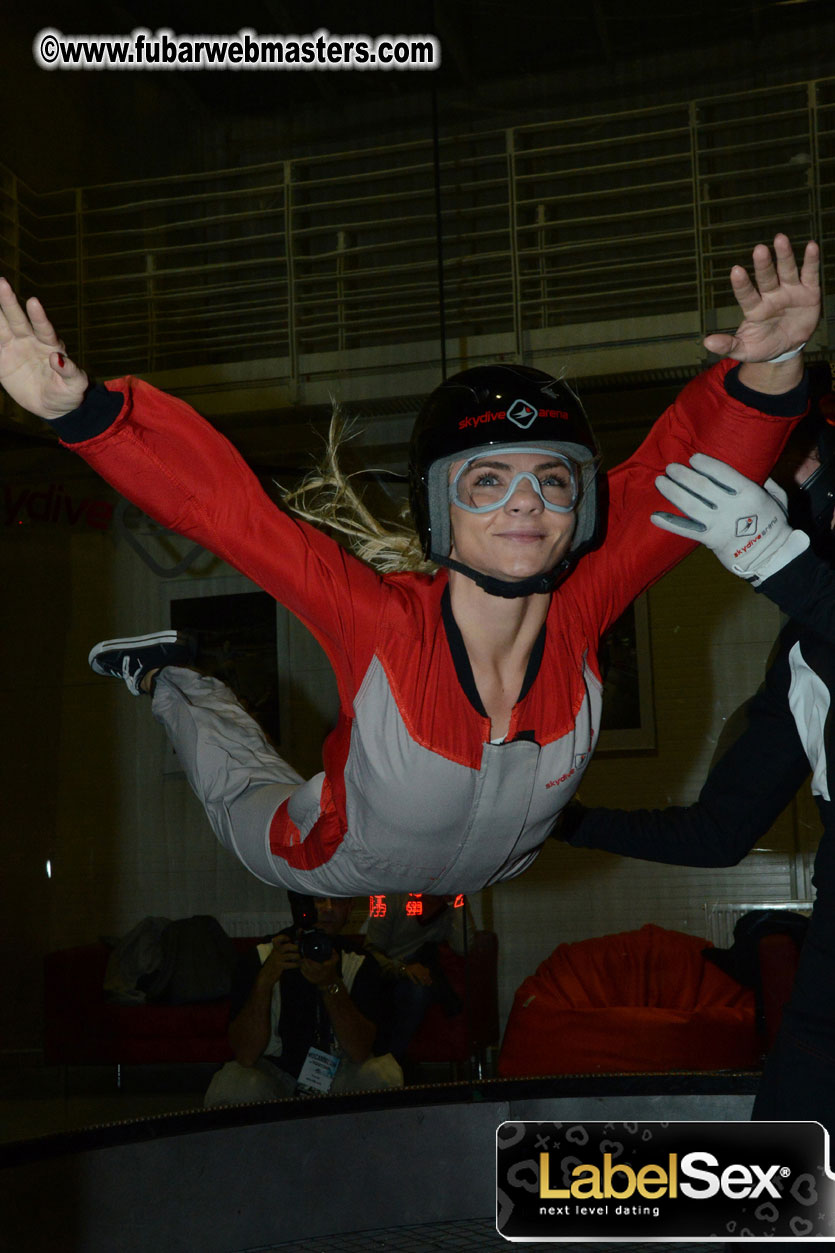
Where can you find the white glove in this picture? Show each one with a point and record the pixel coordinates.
(745, 525)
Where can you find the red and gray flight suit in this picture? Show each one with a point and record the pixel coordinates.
(413, 795)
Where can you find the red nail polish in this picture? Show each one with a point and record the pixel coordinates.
(61, 360)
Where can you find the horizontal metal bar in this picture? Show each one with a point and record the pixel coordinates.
(586, 171)
(594, 256)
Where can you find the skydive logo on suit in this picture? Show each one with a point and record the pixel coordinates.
(746, 526)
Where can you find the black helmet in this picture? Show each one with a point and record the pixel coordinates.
(487, 407)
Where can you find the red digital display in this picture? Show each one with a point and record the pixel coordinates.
(377, 906)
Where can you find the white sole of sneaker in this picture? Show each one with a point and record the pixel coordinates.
(131, 641)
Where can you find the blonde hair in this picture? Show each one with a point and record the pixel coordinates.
(328, 497)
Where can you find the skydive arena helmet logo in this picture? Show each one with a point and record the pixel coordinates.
(635, 1181)
(522, 413)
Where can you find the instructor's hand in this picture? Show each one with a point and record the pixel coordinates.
(744, 524)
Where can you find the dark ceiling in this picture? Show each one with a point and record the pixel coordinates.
(502, 65)
(484, 42)
(501, 62)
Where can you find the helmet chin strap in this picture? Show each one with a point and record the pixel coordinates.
(537, 583)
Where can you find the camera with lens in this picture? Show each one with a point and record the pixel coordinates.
(312, 941)
(315, 945)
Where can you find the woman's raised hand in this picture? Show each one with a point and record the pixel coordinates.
(34, 367)
(781, 307)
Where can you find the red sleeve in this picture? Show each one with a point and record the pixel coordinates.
(703, 418)
(182, 472)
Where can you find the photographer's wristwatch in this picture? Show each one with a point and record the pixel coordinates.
(334, 987)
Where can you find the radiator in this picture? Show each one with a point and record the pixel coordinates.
(722, 916)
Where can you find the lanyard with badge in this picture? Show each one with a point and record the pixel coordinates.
(320, 1066)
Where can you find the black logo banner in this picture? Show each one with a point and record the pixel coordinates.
(651, 1180)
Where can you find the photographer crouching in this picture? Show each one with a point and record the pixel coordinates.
(305, 1011)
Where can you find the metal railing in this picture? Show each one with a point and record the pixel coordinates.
(546, 229)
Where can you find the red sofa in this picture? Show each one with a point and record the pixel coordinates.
(82, 1028)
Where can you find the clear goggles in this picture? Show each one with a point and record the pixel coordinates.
(481, 488)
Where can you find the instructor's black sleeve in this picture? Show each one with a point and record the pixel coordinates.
(746, 791)
(805, 590)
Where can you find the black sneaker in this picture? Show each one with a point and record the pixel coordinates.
(131, 659)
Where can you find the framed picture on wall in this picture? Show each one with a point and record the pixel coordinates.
(236, 642)
(239, 632)
(628, 721)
